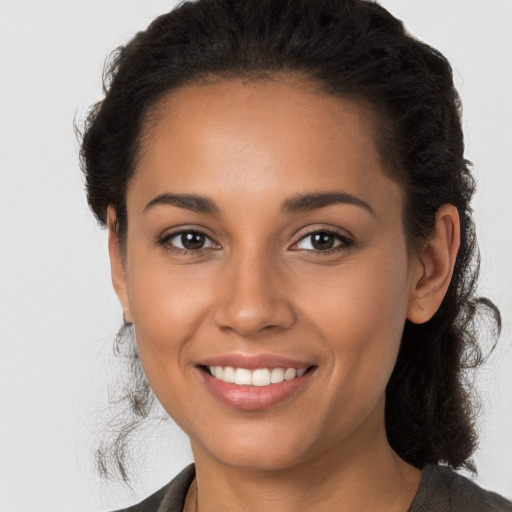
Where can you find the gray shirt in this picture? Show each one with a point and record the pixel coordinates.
(440, 490)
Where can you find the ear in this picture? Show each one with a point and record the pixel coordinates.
(117, 265)
(433, 267)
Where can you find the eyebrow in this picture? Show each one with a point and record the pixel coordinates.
(193, 202)
(316, 200)
(298, 203)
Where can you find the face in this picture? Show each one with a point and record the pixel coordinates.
(266, 271)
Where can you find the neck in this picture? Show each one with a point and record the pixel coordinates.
(350, 476)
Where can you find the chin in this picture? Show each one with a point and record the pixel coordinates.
(257, 461)
(256, 452)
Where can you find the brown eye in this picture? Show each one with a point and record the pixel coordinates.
(188, 241)
(192, 240)
(323, 241)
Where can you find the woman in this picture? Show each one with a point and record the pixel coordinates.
(292, 244)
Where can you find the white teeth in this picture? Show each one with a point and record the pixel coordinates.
(228, 374)
(277, 375)
(243, 376)
(260, 377)
(290, 374)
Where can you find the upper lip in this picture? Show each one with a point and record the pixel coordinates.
(253, 362)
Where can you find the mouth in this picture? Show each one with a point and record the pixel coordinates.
(260, 377)
(257, 388)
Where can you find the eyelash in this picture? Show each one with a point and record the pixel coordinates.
(164, 242)
(345, 242)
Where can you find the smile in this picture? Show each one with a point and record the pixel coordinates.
(258, 387)
(259, 377)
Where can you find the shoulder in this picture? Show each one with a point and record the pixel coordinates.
(170, 498)
(444, 490)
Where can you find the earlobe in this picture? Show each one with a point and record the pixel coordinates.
(117, 265)
(434, 266)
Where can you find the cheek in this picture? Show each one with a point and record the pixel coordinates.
(360, 314)
(169, 299)
(168, 305)
(168, 308)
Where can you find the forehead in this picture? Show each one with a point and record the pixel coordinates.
(260, 137)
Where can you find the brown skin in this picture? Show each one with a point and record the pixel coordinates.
(259, 286)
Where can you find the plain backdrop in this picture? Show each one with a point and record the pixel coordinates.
(58, 314)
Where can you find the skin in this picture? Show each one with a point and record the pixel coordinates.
(259, 286)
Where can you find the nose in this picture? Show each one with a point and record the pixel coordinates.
(252, 298)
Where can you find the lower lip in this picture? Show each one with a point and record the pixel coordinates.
(253, 398)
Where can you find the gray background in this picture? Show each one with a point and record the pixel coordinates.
(58, 314)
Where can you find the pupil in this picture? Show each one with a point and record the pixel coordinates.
(192, 241)
(322, 241)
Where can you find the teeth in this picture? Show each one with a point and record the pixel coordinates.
(277, 375)
(229, 374)
(260, 377)
(290, 374)
(242, 376)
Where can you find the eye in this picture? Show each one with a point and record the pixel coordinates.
(323, 241)
(185, 241)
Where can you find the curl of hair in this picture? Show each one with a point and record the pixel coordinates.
(131, 395)
(353, 49)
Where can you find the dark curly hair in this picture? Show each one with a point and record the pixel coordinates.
(353, 49)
